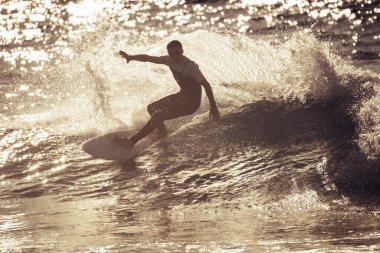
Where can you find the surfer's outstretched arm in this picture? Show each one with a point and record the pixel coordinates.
(145, 58)
(214, 112)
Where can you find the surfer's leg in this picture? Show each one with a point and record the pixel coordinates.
(165, 102)
(152, 124)
(176, 110)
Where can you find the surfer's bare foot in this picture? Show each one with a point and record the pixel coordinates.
(124, 142)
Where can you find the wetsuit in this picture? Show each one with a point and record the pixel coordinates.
(185, 102)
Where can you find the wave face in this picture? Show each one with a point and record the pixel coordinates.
(97, 91)
(299, 133)
(310, 94)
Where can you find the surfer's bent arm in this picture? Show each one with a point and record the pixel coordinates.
(206, 85)
(214, 112)
(145, 58)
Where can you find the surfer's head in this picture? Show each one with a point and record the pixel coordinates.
(175, 50)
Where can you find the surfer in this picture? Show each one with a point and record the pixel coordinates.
(185, 102)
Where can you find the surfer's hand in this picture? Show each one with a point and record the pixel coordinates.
(214, 113)
(125, 55)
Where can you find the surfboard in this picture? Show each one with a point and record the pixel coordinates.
(104, 147)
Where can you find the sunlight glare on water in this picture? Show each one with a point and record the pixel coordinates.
(286, 169)
(41, 30)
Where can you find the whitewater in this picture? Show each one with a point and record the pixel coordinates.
(292, 165)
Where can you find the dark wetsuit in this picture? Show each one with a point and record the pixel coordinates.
(185, 102)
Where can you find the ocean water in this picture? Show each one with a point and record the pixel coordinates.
(292, 166)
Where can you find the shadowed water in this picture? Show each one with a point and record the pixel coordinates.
(291, 166)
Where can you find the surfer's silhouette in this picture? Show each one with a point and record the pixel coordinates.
(185, 102)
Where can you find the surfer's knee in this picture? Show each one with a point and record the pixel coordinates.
(157, 116)
(151, 108)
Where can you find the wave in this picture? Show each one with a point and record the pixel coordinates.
(96, 91)
(274, 154)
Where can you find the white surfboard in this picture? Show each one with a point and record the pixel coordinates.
(104, 146)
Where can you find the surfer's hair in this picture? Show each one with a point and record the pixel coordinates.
(174, 43)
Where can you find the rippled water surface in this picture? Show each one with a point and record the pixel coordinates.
(292, 166)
